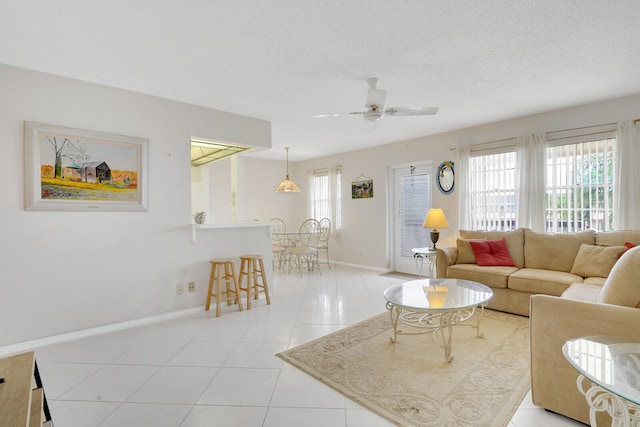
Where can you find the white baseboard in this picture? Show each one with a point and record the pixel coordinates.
(21, 347)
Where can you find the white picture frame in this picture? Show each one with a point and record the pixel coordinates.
(70, 169)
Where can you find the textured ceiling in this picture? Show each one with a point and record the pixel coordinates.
(283, 61)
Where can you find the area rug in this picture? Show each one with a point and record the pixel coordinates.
(409, 382)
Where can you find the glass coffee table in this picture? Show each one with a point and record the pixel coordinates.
(436, 305)
(609, 376)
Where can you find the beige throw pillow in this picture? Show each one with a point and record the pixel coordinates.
(465, 251)
(622, 286)
(596, 261)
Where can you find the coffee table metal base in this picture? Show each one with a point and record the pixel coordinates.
(621, 411)
(436, 322)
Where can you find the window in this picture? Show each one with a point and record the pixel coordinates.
(320, 206)
(492, 191)
(563, 181)
(325, 199)
(580, 184)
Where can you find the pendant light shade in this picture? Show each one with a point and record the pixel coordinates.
(287, 186)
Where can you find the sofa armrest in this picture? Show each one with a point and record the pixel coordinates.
(444, 258)
(553, 321)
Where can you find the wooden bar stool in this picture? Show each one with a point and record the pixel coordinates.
(252, 268)
(223, 275)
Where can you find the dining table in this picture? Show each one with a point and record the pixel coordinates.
(297, 248)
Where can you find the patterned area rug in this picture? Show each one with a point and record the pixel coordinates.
(410, 383)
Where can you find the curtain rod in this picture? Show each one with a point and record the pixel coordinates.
(490, 142)
(635, 122)
(580, 128)
(584, 134)
(514, 139)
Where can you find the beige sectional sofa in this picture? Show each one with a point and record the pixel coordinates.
(545, 263)
(563, 305)
(613, 311)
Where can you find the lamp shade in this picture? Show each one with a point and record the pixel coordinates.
(435, 219)
(287, 186)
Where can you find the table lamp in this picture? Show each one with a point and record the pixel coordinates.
(435, 219)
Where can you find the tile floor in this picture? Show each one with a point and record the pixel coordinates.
(207, 371)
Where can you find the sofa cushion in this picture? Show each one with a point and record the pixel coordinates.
(492, 253)
(539, 281)
(595, 260)
(465, 251)
(494, 277)
(594, 281)
(514, 240)
(622, 287)
(583, 292)
(554, 251)
(617, 238)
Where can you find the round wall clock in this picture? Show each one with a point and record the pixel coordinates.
(445, 177)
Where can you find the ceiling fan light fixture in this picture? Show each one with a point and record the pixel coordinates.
(287, 186)
(373, 115)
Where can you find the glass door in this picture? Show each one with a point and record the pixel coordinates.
(411, 202)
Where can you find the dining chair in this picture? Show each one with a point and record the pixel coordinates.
(278, 242)
(305, 250)
(323, 243)
(310, 226)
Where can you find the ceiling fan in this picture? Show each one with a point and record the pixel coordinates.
(375, 110)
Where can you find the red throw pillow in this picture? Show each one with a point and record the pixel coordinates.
(629, 245)
(492, 252)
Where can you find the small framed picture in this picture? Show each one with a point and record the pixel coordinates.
(362, 189)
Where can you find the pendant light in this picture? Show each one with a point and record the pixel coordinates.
(287, 186)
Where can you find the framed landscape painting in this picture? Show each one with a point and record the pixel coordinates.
(80, 170)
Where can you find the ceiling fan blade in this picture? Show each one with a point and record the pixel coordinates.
(316, 116)
(411, 111)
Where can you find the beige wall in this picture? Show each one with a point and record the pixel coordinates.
(67, 271)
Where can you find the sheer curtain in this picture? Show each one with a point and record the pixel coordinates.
(462, 182)
(530, 186)
(325, 195)
(319, 200)
(335, 197)
(626, 197)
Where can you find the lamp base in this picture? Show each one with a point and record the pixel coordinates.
(435, 235)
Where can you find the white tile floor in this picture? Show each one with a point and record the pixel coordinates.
(206, 371)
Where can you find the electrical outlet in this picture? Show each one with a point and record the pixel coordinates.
(179, 290)
(192, 286)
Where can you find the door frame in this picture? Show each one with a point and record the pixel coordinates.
(392, 209)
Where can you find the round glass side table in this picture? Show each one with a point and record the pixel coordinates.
(609, 369)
